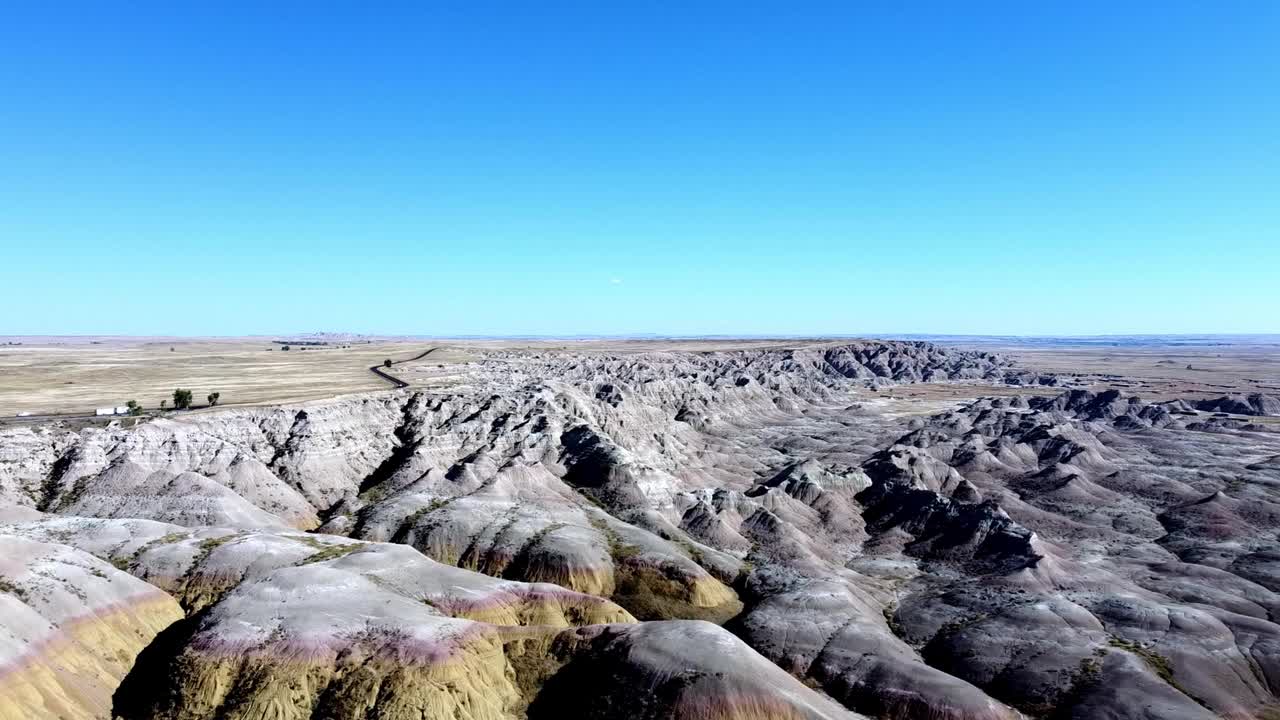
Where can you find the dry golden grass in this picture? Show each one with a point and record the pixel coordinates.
(76, 375)
(1162, 372)
(76, 378)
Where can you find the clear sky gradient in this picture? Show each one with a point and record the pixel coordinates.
(556, 168)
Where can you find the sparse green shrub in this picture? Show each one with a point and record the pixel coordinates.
(1154, 660)
(332, 552)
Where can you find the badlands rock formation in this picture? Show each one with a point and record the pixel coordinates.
(71, 628)
(759, 533)
(1251, 404)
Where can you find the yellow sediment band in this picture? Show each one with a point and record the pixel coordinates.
(476, 683)
(708, 592)
(545, 612)
(592, 581)
(73, 675)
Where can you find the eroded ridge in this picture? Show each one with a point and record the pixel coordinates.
(561, 533)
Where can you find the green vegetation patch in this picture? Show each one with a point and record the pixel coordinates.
(125, 563)
(1157, 662)
(332, 552)
(656, 592)
(692, 551)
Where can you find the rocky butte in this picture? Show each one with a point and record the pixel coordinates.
(735, 534)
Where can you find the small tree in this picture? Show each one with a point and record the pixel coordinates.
(386, 363)
(181, 399)
(134, 407)
(213, 398)
(286, 347)
(163, 405)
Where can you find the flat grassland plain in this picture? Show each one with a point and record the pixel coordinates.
(46, 376)
(1154, 367)
(74, 375)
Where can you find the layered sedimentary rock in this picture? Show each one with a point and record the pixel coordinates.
(290, 624)
(486, 550)
(1251, 404)
(354, 636)
(670, 669)
(1114, 594)
(288, 647)
(70, 627)
(198, 567)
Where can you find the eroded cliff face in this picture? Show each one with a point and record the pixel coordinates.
(289, 625)
(563, 534)
(71, 627)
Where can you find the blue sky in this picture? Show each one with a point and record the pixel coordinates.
(555, 168)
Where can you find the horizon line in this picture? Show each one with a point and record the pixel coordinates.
(636, 335)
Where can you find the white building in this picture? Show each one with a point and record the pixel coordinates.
(105, 411)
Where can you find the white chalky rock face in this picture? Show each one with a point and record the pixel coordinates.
(672, 669)
(198, 567)
(334, 640)
(27, 458)
(70, 627)
(345, 627)
(545, 538)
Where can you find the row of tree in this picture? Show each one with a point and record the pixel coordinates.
(181, 401)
